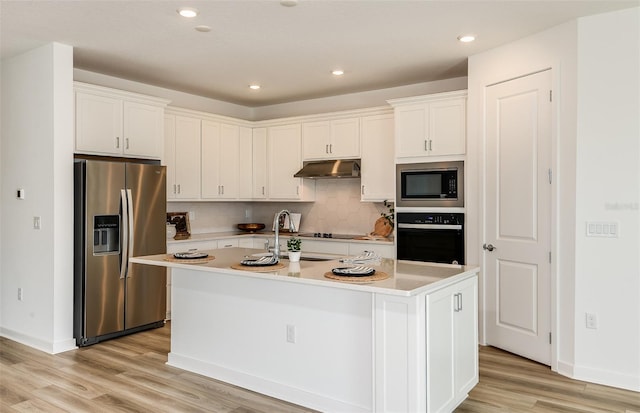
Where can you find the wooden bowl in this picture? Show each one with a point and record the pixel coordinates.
(253, 227)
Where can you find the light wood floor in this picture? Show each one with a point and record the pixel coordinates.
(129, 374)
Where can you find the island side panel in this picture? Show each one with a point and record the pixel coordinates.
(400, 366)
(234, 329)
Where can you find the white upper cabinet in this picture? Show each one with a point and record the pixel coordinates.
(116, 123)
(246, 164)
(432, 125)
(259, 155)
(220, 160)
(377, 162)
(284, 148)
(182, 157)
(331, 139)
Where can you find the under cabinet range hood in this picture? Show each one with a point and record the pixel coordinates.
(335, 168)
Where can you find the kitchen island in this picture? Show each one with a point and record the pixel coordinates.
(407, 343)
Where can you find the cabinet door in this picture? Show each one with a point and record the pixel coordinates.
(228, 161)
(210, 185)
(259, 163)
(316, 137)
(245, 163)
(447, 127)
(187, 166)
(284, 161)
(169, 156)
(98, 124)
(440, 350)
(378, 166)
(466, 337)
(411, 131)
(345, 138)
(142, 130)
(227, 243)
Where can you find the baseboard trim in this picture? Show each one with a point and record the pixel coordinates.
(264, 386)
(39, 344)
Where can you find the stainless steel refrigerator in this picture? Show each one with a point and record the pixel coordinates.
(120, 212)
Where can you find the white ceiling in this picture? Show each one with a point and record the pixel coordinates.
(290, 51)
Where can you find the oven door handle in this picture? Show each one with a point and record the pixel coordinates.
(430, 226)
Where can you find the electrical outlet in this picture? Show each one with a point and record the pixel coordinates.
(291, 333)
(247, 213)
(20, 294)
(192, 216)
(591, 320)
(36, 222)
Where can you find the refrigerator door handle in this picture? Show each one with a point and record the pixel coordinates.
(125, 234)
(129, 229)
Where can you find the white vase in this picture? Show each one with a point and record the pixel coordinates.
(171, 230)
(294, 256)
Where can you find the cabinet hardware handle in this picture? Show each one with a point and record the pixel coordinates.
(362, 190)
(426, 148)
(460, 302)
(118, 142)
(222, 186)
(174, 189)
(330, 148)
(326, 148)
(429, 145)
(178, 188)
(126, 143)
(263, 190)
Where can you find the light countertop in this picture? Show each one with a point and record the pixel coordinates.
(407, 278)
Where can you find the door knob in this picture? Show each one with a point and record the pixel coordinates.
(488, 247)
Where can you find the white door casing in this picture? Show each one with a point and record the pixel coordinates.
(518, 216)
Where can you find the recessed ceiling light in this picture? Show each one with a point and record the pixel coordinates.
(466, 38)
(289, 3)
(203, 29)
(337, 72)
(188, 12)
(254, 87)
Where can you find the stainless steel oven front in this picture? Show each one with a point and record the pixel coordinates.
(430, 237)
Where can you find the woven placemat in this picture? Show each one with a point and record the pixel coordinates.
(378, 276)
(171, 258)
(257, 268)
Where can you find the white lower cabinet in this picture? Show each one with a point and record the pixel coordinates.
(384, 251)
(426, 349)
(452, 345)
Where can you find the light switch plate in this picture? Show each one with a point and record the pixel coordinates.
(602, 229)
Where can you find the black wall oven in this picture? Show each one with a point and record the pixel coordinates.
(430, 237)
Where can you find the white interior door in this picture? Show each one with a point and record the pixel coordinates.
(518, 216)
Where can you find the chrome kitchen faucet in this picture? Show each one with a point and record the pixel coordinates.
(276, 225)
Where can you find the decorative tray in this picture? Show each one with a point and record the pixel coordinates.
(359, 271)
(190, 255)
(261, 262)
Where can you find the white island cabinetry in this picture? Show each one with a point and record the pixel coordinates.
(327, 344)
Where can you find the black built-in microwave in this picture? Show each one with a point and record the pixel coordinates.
(430, 184)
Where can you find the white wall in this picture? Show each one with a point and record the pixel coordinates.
(37, 153)
(608, 189)
(596, 105)
(350, 101)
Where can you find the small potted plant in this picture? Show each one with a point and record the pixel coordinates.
(293, 244)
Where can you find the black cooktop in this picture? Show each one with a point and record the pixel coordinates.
(327, 235)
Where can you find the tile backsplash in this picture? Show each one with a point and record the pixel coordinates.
(337, 209)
